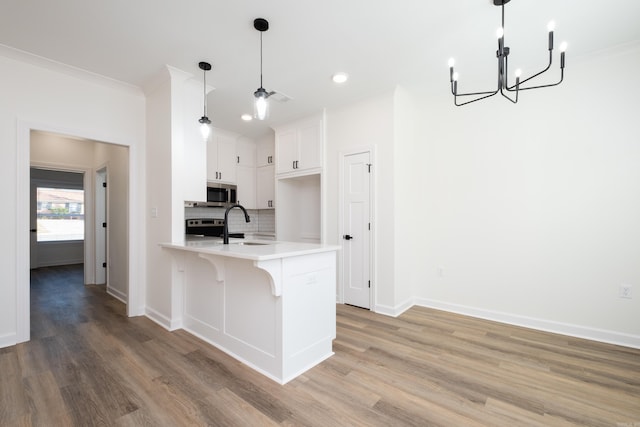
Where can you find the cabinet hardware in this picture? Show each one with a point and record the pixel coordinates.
(238, 159)
(347, 237)
(104, 225)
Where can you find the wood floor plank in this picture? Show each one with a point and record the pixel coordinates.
(89, 364)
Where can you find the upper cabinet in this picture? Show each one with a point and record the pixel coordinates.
(265, 151)
(299, 147)
(246, 152)
(221, 157)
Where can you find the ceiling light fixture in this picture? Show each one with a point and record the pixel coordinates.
(261, 103)
(340, 77)
(246, 117)
(503, 67)
(204, 120)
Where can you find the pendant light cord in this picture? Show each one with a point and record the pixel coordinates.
(260, 58)
(204, 92)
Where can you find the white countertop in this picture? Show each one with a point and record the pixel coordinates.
(257, 250)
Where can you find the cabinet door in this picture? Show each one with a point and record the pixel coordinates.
(286, 150)
(265, 151)
(212, 160)
(245, 152)
(265, 186)
(227, 160)
(246, 186)
(309, 146)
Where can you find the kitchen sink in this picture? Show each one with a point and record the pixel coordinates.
(252, 243)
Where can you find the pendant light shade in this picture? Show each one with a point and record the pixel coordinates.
(261, 96)
(204, 121)
(261, 104)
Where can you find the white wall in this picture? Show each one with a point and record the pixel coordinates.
(366, 124)
(532, 210)
(50, 97)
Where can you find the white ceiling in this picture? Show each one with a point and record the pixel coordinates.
(379, 43)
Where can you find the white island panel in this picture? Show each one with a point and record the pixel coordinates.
(272, 308)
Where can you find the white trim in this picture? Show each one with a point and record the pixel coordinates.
(119, 295)
(578, 331)
(397, 310)
(162, 320)
(8, 340)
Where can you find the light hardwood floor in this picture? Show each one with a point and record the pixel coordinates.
(88, 364)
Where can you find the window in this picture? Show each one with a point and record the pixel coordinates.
(60, 214)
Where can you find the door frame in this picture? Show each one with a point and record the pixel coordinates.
(101, 202)
(136, 239)
(372, 212)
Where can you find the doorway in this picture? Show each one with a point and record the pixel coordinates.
(356, 226)
(121, 161)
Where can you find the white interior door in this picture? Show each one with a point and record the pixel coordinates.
(101, 230)
(356, 240)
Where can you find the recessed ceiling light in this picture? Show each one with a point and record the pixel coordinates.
(246, 117)
(340, 77)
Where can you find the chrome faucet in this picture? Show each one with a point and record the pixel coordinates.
(225, 227)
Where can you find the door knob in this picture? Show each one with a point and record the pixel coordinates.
(347, 237)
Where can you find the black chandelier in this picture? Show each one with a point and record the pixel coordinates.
(503, 67)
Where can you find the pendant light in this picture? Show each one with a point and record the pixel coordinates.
(204, 120)
(503, 67)
(261, 103)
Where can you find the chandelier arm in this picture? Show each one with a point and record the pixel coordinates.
(455, 98)
(548, 85)
(511, 88)
(507, 96)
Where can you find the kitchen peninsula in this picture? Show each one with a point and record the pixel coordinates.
(269, 304)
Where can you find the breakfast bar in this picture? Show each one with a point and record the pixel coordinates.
(269, 304)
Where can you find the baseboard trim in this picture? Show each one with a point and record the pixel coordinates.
(119, 295)
(577, 331)
(8, 340)
(394, 311)
(162, 320)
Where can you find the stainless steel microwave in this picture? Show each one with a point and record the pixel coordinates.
(223, 195)
(218, 195)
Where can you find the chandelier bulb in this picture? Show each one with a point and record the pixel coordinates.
(518, 72)
(563, 47)
(500, 33)
(455, 77)
(551, 26)
(452, 62)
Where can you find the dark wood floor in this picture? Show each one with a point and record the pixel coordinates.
(88, 364)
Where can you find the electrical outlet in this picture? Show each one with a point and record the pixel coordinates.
(626, 291)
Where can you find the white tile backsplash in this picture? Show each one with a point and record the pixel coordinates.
(262, 220)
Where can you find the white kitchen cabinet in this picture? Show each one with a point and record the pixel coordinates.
(194, 169)
(245, 152)
(265, 186)
(246, 191)
(299, 147)
(221, 158)
(265, 151)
